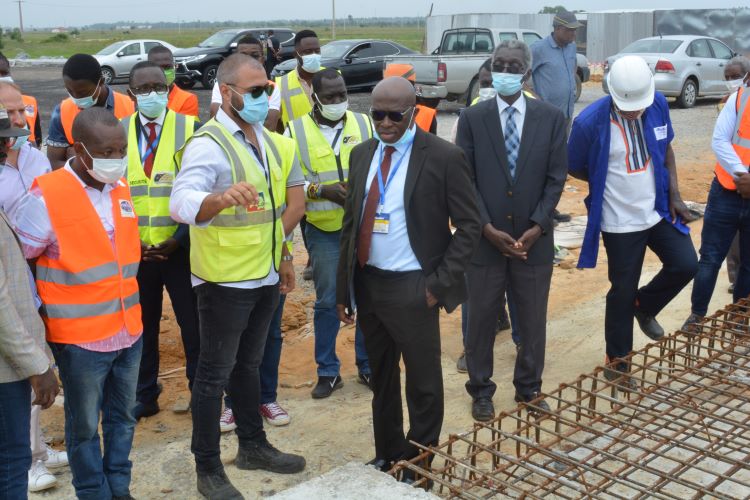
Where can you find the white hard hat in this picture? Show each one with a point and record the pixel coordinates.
(631, 83)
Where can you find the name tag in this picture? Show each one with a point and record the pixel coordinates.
(382, 223)
(163, 178)
(660, 132)
(259, 206)
(126, 209)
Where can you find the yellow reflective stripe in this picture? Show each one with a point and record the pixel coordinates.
(130, 270)
(321, 206)
(243, 219)
(76, 311)
(90, 275)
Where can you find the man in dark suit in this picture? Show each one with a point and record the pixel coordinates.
(517, 148)
(400, 263)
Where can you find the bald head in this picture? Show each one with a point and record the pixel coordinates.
(11, 99)
(231, 67)
(97, 126)
(393, 94)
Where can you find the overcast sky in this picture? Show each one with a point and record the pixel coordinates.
(43, 13)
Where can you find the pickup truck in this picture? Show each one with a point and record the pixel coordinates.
(451, 71)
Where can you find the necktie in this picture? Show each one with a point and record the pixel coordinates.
(371, 206)
(512, 140)
(148, 163)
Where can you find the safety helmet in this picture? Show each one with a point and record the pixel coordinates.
(631, 83)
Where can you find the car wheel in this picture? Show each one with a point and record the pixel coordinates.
(108, 74)
(209, 77)
(689, 94)
(186, 85)
(473, 92)
(578, 87)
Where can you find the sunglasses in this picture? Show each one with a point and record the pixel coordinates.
(255, 92)
(394, 116)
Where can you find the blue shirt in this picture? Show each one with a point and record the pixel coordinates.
(553, 70)
(56, 137)
(588, 149)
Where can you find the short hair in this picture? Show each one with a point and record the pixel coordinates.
(139, 66)
(4, 59)
(516, 45)
(486, 65)
(741, 61)
(249, 40)
(325, 74)
(82, 67)
(159, 49)
(229, 66)
(304, 34)
(90, 120)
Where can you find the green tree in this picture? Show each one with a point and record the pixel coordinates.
(553, 10)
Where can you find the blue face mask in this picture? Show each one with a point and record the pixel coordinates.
(86, 102)
(20, 141)
(311, 63)
(254, 110)
(507, 83)
(408, 136)
(153, 104)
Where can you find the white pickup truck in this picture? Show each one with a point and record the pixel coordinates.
(451, 71)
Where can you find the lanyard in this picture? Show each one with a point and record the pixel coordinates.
(151, 147)
(338, 155)
(384, 186)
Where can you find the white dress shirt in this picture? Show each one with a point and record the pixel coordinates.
(146, 130)
(721, 142)
(16, 180)
(392, 251)
(274, 100)
(518, 117)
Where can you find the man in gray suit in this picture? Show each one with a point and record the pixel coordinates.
(516, 146)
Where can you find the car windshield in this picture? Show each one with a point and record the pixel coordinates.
(110, 49)
(220, 39)
(652, 46)
(334, 50)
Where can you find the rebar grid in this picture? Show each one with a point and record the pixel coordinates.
(677, 426)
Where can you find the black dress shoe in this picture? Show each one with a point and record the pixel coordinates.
(216, 486)
(409, 477)
(649, 326)
(482, 409)
(620, 376)
(560, 217)
(380, 464)
(537, 408)
(142, 410)
(326, 386)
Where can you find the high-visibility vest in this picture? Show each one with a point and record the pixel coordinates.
(320, 164)
(151, 196)
(32, 115)
(294, 101)
(424, 117)
(89, 292)
(740, 139)
(183, 102)
(241, 244)
(529, 95)
(68, 112)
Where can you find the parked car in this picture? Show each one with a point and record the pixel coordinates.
(199, 64)
(118, 58)
(359, 61)
(685, 66)
(452, 70)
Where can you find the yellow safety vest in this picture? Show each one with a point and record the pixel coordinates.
(151, 196)
(525, 92)
(294, 101)
(321, 165)
(241, 245)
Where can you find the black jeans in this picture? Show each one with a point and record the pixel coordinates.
(233, 328)
(625, 253)
(174, 274)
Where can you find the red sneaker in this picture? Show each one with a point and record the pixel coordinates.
(226, 422)
(274, 414)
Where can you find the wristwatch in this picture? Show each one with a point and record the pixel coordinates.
(287, 258)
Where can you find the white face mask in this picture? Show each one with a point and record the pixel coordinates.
(6, 79)
(333, 112)
(734, 85)
(107, 170)
(487, 93)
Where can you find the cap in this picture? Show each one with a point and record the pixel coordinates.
(567, 20)
(402, 70)
(6, 130)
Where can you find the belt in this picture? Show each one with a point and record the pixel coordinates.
(384, 273)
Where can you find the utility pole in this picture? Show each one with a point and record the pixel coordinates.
(333, 19)
(20, 15)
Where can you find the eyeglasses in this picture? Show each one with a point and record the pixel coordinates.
(147, 89)
(394, 116)
(513, 68)
(254, 91)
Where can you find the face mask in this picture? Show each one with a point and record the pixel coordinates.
(20, 141)
(86, 102)
(169, 75)
(107, 170)
(6, 79)
(734, 85)
(152, 104)
(253, 110)
(311, 63)
(487, 93)
(333, 112)
(408, 136)
(507, 84)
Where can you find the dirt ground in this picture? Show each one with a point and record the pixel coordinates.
(338, 430)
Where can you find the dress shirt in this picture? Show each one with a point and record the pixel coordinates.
(392, 251)
(16, 180)
(38, 237)
(721, 142)
(145, 129)
(554, 73)
(274, 101)
(518, 117)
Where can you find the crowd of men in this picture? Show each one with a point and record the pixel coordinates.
(135, 195)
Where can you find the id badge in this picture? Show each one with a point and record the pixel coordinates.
(382, 222)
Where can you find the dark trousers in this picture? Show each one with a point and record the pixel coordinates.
(153, 277)
(15, 450)
(395, 320)
(528, 288)
(233, 328)
(625, 253)
(733, 260)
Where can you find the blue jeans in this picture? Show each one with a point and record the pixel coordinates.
(324, 251)
(99, 383)
(15, 450)
(726, 214)
(514, 333)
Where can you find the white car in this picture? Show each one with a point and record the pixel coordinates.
(117, 59)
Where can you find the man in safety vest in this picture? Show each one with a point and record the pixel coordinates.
(425, 117)
(325, 138)
(155, 134)
(79, 225)
(82, 76)
(180, 101)
(235, 178)
(33, 121)
(725, 214)
(296, 86)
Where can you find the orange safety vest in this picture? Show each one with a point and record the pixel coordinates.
(183, 102)
(32, 115)
(89, 292)
(68, 112)
(425, 116)
(740, 139)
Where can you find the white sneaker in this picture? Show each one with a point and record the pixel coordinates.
(40, 478)
(226, 422)
(56, 459)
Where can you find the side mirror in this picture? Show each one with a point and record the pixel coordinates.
(233, 45)
(120, 54)
(348, 60)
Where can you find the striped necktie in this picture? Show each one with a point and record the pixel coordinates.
(512, 140)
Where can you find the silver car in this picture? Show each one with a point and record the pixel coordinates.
(686, 67)
(117, 59)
